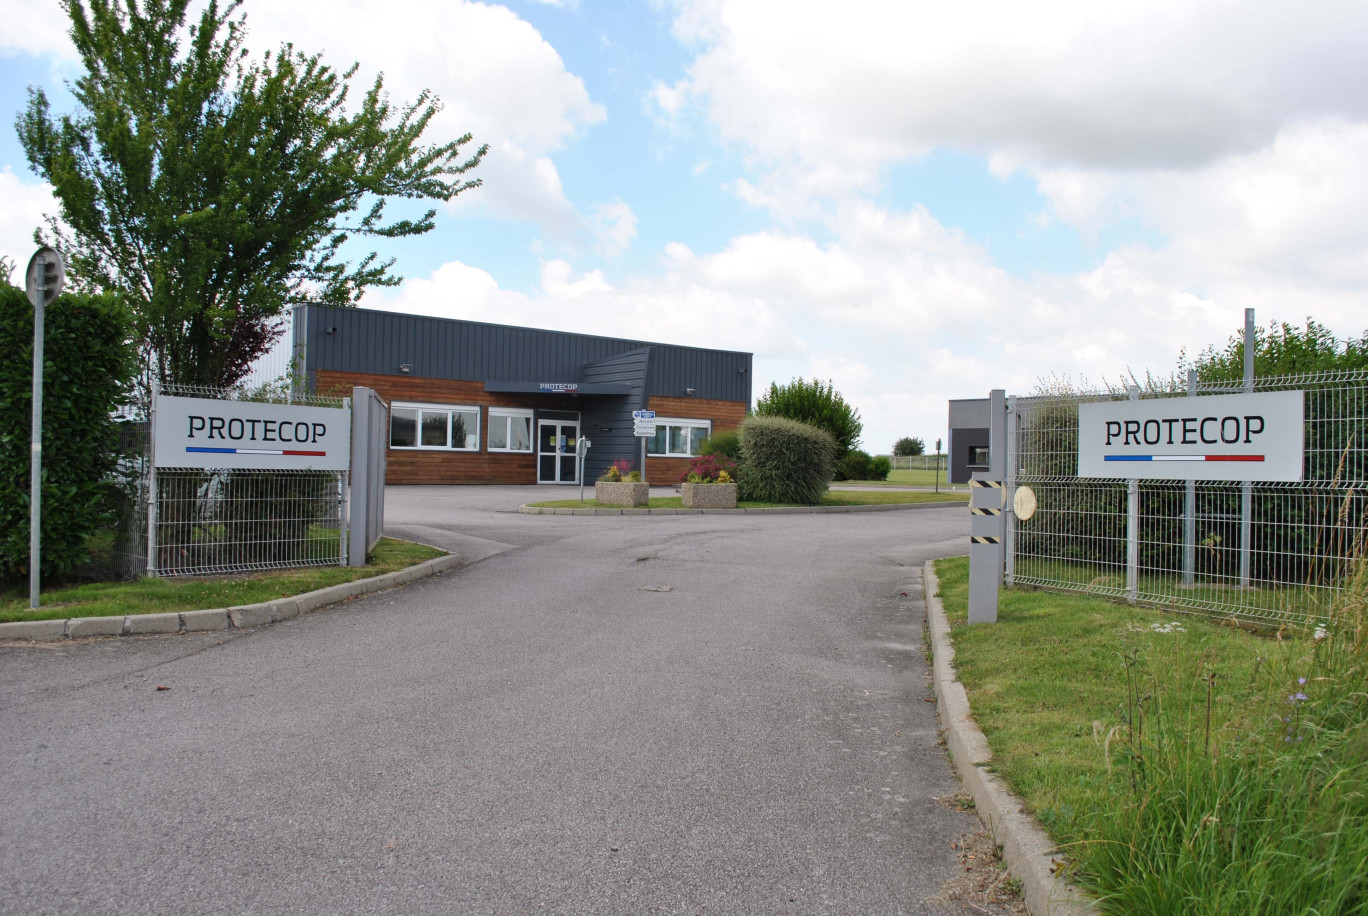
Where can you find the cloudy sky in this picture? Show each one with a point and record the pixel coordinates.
(917, 201)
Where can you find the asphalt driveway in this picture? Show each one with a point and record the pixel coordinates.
(677, 714)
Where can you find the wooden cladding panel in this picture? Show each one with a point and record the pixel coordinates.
(724, 414)
(432, 466)
(424, 466)
(665, 472)
(435, 391)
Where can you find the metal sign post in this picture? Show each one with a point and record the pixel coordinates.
(938, 448)
(582, 450)
(43, 281)
(643, 427)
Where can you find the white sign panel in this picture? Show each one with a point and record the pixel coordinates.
(205, 433)
(1220, 437)
(644, 422)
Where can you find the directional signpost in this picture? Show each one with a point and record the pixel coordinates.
(43, 281)
(643, 423)
(643, 427)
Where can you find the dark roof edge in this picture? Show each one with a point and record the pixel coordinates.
(489, 324)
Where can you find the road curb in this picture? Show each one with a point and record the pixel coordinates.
(1026, 848)
(240, 617)
(774, 510)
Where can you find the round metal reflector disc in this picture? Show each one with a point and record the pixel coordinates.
(1024, 503)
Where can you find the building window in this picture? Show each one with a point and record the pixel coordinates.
(510, 430)
(431, 426)
(978, 456)
(678, 438)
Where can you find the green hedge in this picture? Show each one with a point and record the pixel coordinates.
(726, 443)
(87, 364)
(784, 461)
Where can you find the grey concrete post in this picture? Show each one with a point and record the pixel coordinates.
(987, 498)
(360, 505)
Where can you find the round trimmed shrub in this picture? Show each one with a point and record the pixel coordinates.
(784, 461)
(879, 468)
(854, 466)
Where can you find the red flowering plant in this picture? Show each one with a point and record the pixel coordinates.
(710, 469)
(620, 470)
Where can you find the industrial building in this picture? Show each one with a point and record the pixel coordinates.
(967, 445)
(477, 403)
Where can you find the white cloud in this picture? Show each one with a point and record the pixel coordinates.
(898, 311)
(35, 27)
(22, 205)
(495, 74)
(1122, 85)
(1278, 225)
(615, 225)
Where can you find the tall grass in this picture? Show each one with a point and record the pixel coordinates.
(1263, 813)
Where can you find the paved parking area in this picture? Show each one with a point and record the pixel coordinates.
(545, 730)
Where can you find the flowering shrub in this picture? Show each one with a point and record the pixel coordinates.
(620, 470)
(709, 469)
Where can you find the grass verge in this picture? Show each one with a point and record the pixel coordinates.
(834, 498)
(155, 596)
(1185, 766)
(912, 478)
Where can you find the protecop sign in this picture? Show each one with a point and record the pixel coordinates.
(1220, 437)
(205, 433)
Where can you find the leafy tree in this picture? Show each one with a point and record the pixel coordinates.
(1281, 349)
(909, 445)
(817, 404)
(214, 190)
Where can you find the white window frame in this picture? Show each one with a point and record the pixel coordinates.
(435, 408)
(504, 413)
(678, 421)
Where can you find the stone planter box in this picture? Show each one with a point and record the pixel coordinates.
(626, 495)
(708, 495)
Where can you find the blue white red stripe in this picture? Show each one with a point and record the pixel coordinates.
(1183, 457)
(255, 451)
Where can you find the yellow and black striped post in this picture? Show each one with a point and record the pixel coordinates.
(987, 502)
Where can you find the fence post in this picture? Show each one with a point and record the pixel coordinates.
(152, 482)
(1009, 494)
(1247, 488)
(1190, 509)
(1133, 527)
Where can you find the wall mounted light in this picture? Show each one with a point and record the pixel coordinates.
(689, 392)
(331, 331)
(406, 368)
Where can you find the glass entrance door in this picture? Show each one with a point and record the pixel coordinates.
(556, 441)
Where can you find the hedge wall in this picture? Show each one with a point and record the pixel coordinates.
(88, 362)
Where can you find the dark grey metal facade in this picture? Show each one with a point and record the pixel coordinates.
(608, 421)
(968, 429)
(379, 343)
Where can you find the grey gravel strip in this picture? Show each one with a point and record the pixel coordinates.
(773, 510)
(1025, 846)
(240, 617)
